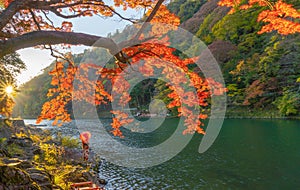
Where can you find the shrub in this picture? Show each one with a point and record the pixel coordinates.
(70, 142)
(52, 154)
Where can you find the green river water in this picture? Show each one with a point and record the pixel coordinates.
(247, 154)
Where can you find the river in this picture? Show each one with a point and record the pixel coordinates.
(247, 154)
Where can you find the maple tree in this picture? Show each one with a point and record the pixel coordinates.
(27, 23)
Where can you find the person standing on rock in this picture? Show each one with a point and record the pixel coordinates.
(85, 138)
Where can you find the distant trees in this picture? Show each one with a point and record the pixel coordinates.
(289, 103)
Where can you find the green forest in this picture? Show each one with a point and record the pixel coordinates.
(261, 72)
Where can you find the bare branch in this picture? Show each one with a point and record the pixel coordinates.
(46, 16)
(67, 16)
(34, 19)
(119, 15)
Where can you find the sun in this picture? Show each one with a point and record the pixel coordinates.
(9, 90)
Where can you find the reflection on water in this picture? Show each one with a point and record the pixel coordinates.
(248, 154)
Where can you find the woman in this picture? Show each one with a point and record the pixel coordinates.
(85, 138)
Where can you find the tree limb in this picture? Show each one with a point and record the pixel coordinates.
(10, 11)
(33, 39)
(36, 38)
(7, 35)
(150, 17)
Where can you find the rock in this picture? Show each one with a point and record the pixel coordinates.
(15, 178)
(24, 141)
(29, 149)
(72, 153)
(75, 176)
(18, 123)
(41, 177)
(25, 164)
(10, 162)
(36, 150)
(3, 152)
(5, 130)
(93, 176)
(102, 181)
(21, 174)
(39, 171)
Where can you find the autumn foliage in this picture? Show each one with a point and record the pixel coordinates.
(34, 19)
(183, 98)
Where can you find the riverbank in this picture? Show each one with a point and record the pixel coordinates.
(232, 112)
(242, 112)
(32, 158)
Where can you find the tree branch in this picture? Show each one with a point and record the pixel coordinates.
(7, 35)
(67, 16)
(34, 19)
(10, 11)
(33, 39)
(150, 17)
(36, 38)
(118, 14)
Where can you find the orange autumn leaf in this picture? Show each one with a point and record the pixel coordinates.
(279, 18)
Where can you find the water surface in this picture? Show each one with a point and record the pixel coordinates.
(248, 154)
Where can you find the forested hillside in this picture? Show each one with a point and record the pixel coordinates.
(32, 95)
(261, 71)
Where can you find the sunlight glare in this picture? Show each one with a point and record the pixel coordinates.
(9, 90)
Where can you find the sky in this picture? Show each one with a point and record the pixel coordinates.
(37, 59)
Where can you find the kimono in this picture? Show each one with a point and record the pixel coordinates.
(85, 138)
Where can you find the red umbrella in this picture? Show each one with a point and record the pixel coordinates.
(85, 137)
